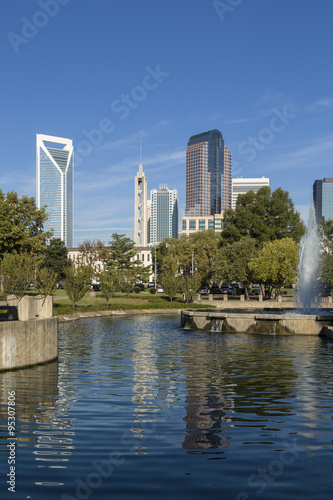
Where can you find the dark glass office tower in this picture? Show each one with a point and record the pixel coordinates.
(323, 199)
(204, 170)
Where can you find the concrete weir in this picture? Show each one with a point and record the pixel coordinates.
(308, 324)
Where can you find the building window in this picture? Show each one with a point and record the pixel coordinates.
(211, 224)
(193, 225)
(202, 224)
(184, 225)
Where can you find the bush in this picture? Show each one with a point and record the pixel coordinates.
(152, 290)
(137, 289)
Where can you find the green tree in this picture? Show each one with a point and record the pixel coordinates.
(264, 216)
(276, 264)
(21, 225)
(189, 285)
(234, 262)
(109, 281)
(127, 279)
(170, 283)
(77, 282)
(94, 254)
(46, 281)
(18, 270)
(189, 254)
(326, 255)
(56, 257)
(122, 252)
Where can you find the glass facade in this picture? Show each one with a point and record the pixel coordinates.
(205, 157)
(323, 199)
(163, 214)
(55, 186)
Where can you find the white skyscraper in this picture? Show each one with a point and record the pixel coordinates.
(55, 185)
(241, 185)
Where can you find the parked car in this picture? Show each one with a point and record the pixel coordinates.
(203, 290)
(159, 289)
(216, 291)
(256, 291)
(151, 285)
(225, 291)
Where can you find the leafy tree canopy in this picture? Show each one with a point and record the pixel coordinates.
(121, 252)
(264, 216)
(233, 262)
(56, 257)
(21, 225)
(276, 264)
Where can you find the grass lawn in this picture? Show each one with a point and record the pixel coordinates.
(121, 301)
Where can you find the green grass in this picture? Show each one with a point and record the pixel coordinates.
(120, 302)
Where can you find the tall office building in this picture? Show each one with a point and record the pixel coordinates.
(323, 199)
(226, 181)
(163, 214)
(55, 185)
(208, 182)
(140, 209)
(241, 185)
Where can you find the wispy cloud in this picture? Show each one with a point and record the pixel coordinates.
(303, 156)
(320, 104)
(133, 138)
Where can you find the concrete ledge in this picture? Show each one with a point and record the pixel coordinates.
(255, 322)
(26, 343)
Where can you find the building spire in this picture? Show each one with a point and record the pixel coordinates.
(140, 165)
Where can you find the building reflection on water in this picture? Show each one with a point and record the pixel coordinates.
(42, 399)
(157, 392)
(206, 404)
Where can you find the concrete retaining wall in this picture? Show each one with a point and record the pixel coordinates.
(26, 343)
(255, 323)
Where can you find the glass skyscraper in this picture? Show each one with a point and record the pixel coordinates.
(208, 175)
(163, 214)
(55, 185)
(323, 199)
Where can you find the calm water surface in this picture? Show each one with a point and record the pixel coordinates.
(136, 408)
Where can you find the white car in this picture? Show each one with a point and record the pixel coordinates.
(159, 290)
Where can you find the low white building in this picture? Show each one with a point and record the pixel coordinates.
(241, 185)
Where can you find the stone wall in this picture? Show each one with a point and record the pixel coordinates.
(26, 343)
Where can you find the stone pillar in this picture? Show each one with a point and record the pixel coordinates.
(26, 308)
(199, 297)
(225, 297)
(260, 297)
(44, 306)
(279, 299)
(242, 298)
(211, 297)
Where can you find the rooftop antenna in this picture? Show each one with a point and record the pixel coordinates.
(140, 152)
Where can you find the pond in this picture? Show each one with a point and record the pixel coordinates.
(137, 408)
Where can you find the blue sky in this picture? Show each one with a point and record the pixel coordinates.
(109, 74)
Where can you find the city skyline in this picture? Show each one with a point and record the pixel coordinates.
(160, 72)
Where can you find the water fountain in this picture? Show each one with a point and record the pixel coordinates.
(307, 297)
(306, 319)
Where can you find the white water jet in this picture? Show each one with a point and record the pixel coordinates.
(307, 289)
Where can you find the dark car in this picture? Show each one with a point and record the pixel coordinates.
(216, 291)
(225, 291)
(203, 290)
